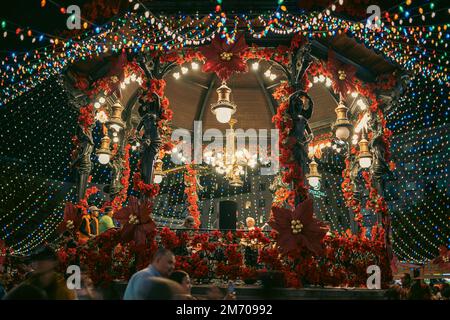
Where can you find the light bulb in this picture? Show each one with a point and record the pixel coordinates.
(313, 181)
(223, 115)
(158, 178)
(361, 104)
(176, 75)
(103, 158)
(365, 162)
(255, 66)
(267, 73)
(342, 133)
(184, 70)
(194, 65)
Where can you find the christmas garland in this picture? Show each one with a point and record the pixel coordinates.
(190, 181)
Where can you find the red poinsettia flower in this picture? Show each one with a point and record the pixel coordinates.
(72, 219)
(137, 223)
(443, 260)
(223, 58)
(297, 229)
(343, 74)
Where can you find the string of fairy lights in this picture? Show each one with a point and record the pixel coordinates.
(407, 46)
(34, 165)
(37, 125)
(420, 198)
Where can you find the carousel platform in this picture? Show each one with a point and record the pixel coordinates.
(255, 292)
(252, 292)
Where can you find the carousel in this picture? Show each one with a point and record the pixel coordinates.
(173, 116)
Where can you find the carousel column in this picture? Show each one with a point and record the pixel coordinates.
(300, 110)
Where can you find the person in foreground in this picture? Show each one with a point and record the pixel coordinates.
(162, 266)
(44, 282)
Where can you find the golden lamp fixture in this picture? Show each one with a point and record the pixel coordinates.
(342, 123)
(104, 152)
(313, 176)
(223, 108)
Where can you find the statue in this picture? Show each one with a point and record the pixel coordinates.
(300, 110)
(116, 175)
(150, 112)
(82, 162)
(377, 146)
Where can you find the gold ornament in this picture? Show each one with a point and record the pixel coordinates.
(342, 75)
(133, 219)
(226, 56)
(296, 226)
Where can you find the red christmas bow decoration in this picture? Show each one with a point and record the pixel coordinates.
(223, 58)
(343, 74)
(137, 223)
(72, 220)
(298, 228)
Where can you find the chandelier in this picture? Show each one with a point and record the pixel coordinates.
(232, 164)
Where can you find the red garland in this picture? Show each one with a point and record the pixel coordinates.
(191, 192)
(125, 181)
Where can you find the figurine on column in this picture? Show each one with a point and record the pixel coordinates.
(150, 114)
(82, 162)
(300, 110)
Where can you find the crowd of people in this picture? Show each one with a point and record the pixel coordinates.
(159, 281)
(417, 289)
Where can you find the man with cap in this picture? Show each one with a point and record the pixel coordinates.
(106, 222)
(93, 210)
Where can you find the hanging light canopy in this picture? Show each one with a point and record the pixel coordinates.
(115, 122)
(342, 124)
(104, 153)
(223, 108)
(313, 176)
(365, 157)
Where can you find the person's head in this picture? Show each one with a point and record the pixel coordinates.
(183, 279)
(164, 262)
(25, 292)
(156, 288)
(109, 211)
(189, 222)
(214, 293)
(44, 263)
(406, 280)
(250, 222)
(94, 211)
(419, 291)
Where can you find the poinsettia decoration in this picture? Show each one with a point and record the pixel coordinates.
(72, 219)
(225, 58)
(137, 223)
(343, 74)
(298, 229)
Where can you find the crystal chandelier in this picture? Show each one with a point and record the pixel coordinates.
(232, 164)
